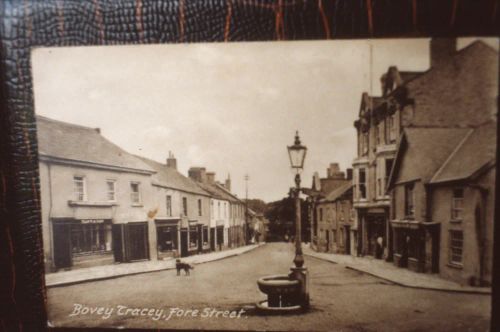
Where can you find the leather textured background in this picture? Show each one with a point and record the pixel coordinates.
(26, 24)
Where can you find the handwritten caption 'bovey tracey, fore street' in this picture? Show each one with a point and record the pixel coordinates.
(154, 313)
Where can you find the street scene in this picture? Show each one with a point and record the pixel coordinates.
(186, 187)
(342, 299)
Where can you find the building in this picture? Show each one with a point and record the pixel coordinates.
(441, 209)
(330, 210)
(181, 211)
(449, 94)
(96, 199)
(237, 221)
(220, 205)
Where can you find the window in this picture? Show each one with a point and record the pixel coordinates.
(388, 167)
(341, 217)
(364, 143)
(79, 188)
(457, 204)
(362, 183)
(200, 210)
(320, 214)
(456, 245)
(193, 236)
(169, 206)
(167, 238)
(185, 206)
(111, 190)
(410, 200)
(135, 195)
(205, 235)
(90, 238)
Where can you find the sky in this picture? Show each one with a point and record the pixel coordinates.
(230, 107)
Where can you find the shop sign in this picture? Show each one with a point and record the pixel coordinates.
(92, 221)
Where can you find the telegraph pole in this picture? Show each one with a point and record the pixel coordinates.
(247, 231)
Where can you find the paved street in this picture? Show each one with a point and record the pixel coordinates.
(342, 300)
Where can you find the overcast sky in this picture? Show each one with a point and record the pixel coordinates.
(232, 108)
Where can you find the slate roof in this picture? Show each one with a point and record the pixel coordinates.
(425, 150)
(216, 192)
(71, 142)
(337, 193)
(171, 178)
(476, 151)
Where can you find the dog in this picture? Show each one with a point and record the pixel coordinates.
(182, 266)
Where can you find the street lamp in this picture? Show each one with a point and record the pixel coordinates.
(290, 292)
(297, 153)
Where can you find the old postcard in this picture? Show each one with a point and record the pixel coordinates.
(341, 185)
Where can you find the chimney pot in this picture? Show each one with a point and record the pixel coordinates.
(171, 161)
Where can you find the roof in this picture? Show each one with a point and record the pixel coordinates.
(216, 191)
(70, 142)
(337, 193)
(422, 151)
(474, 153)
(171, 178)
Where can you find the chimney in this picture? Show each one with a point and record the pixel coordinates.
(349, 174)
(227, 185)
(171, 161)
(333, 172)
(198, 174)
(211, 177)
(442, 49)
(98, 130)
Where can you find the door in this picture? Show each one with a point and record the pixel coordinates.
(62, 245)
(347, 240)
(184, 242)
(212, 239)
(327, 241)
(118, 242)
(138, 241)
(200, 238)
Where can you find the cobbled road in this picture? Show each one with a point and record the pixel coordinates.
(222, 294)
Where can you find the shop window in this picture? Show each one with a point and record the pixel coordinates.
(362, 183)
(111, 190)
(193, 236)
(200, 210)
(185, 206)
(410, 200)
(167, 238)
(205, 235)
(456, 246)
(79, 188)
(90, 238)
(457, 204)
(135, 194)
(169, 205)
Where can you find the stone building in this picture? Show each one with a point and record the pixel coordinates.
(458, 90)
(181, 211)
(442, 179)
(330, 210)
(95, 199)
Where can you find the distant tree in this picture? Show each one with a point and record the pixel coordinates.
(257, 205)
(281, 216)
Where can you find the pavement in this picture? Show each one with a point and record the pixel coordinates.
(400, 276)
(64, 278)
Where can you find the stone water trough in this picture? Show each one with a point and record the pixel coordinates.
(283, 294)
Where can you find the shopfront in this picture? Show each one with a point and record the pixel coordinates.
(167, 234)
(82, 242)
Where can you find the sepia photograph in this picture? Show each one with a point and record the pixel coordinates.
(336, 185)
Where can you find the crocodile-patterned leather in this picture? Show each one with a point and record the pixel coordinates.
(30, 23)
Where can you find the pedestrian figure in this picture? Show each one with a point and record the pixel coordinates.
(380, 246)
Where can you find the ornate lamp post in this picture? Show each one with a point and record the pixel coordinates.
(297, 153)
(289, 293)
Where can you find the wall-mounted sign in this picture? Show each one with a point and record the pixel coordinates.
(92, 221)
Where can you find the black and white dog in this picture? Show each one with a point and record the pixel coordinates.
(182, 266)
